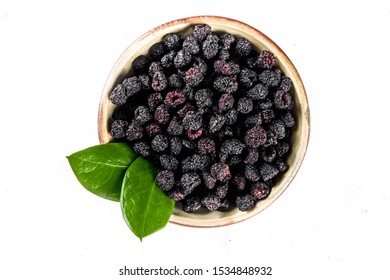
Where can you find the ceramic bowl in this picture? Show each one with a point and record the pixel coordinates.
(300, 137)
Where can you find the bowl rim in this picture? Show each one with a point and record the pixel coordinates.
(179, 217)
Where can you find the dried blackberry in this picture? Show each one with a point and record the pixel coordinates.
(267, 59)
(251, 156)
(191, 45)
(175, 126)
(169, 162)
(201, 31)
(285, 83)
(159, 143)
(243, 47)
(142, 149)
(282, 148)
(223, 67)
(258, 92)
(226, 40)
(247, 77)
(189, 181)
(142, 115)
(155, 66)
(252, 173)
(225, 84)
(245, 202)
(118, 129)
(174, 98)
(182, 59)
(283, 100)
(195, 163)
(193, 76)
(260, 190)
(278, 128)
(211, 201)
(268, 171)
(270, 78)
(222, 190)
(140, 64)
(210, 46)
(244, 105)
(239, 182)
(208, 180)
(288, 119)
(194, 134)
(175, 146)
(191, 204)
(226, 101)
(172, 41)
(192, 121)
(203, 98)
(221, 172)
(145, 82)
(231, 116)
(232, 147)
(175, 81)
(206, 146)
(134, 132)
(161, 115)
(281, 165)
(176, 195)
(165, 179)
(256, 136)
(152, 129)
(157, 51)
(159, 81)
(253, 120)
(119, 95)
(224, 54)
(216, 123)
(167, 60)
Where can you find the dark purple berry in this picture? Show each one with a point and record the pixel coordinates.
(168, 162)
(189, 181)
(288, 119)
(252, 173)
(159, 81)
(268, 154)
(267, 59)
(145, 82)
(208, 180)
(226, 101)
(239, 182)
(161, 115)
(154, 67)
(134, 132)
(194, 134)
(253, 120)
(245, 202)
(154, 99)
(193, 76)
(160, 143)
(152, 129)
(271, 78)
(285, 84)
(206, 146)
(142, 149)
(174, 98)
(118, 129)
(175, 126)
(195, 163)
(182, 59)
(226, 40)
(188, 92)
(172, 41)
(252, 156)
(258, 92)
(225, 84)
(210, 46)
(232, 147)
(165, 180)
(175, 146)
(211, 201)
(191, 45)
(260, 190)
(267, 115)
(283, 100)
(175, 81)
(244, 105)
(223, 67)
(231, 116)
(268, 171)
(282, 148)
(201, 31)
(118, 96)
(140, 64)
(255, 137)
(222, 190)
(247, 77)
(157, 51)
(167, 60)
(281, 165)
(243, 47)
(216, 123)
(191, 204)
(278, 128)
(176, 195)
(142, 115)
(221, 172)
(203, 98)
(192, 121)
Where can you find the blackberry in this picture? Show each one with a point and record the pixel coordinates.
(226, 40)
(245, 202)
(282, 148)
(226, 101)
(172, 41)
(175, 81)
(142, 149)
(285, 83)
(191, 204)
(189, 181)
(159, 143)
(211, 201)
(271, 139)
(216, 123)
(154, 99)
(142, 115)
(252, 173)
(195, 162)
(283, 100)
(288, 119)
(224, 205)
(118, 129)
(194, 134)
(232, 147)
(175, 146)
(256, 136)
(210, 46)
(224, 54)
(206, 146)
(270, 78)
(203, 98)
(157, 51)
(221, 172)
(118, 96)
(258, 92)
(208, 180)
(192, 121)
(175, 126)
(154, 67)
(152, 129)
(253, 120)
(278, 128)
(243, 47)
(225, 84)
(231, 116)
(140, 64)
(134, 132)
(201, 31)
(222, 190)
(193, 76)
(168, 162)
(176, 195)
(247, 77)
(268, 171)
(267, 59)
(167, 60)
(145, 82)
(244, 105)
(161, 115)
(182, 59)
(191, 45)
(260, 190)
(252, 156)
(268, 154)
(174, 98)
(265, 104)
(223, 67)
(268, 115)
(159, 81)
(239, 182)
(165, 179)
(281, 165)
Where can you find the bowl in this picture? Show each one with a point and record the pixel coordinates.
(300, 136)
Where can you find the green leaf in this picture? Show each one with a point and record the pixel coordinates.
(101, 169)
(145, 207)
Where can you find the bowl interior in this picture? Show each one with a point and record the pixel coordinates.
(300, 135)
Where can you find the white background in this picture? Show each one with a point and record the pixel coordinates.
(331, 223)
